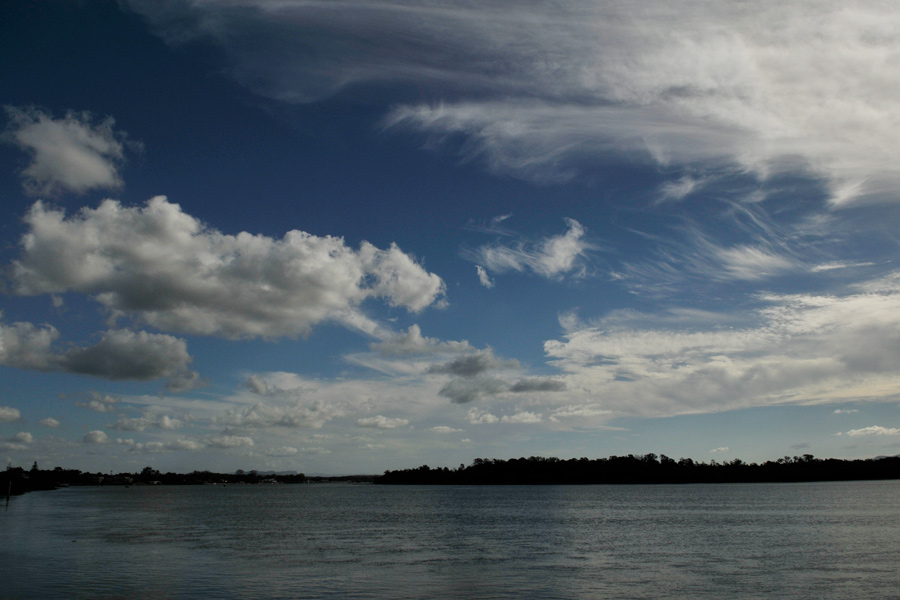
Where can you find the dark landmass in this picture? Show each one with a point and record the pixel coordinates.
(648, 468)
(16, 480)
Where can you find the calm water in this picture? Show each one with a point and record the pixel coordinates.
(787, 541)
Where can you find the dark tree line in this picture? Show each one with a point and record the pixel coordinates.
(16, 480)
(648, 468)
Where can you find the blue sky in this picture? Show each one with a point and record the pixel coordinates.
(345, 236)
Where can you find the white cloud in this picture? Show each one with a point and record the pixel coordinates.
(719, 450)
(8, 414)
(147, 419)
(798, 349)
(95, 437)
(544, 89)
(445, 429)
(842, 411)
(413, 342)
(160, 447)
(228, 441)
(166, 268)
(49, 422)
(477, 416)
(550, 257)
(67, 155)
(522, 417)
(101, 403)
(483, 277)
(22, 437)
(381, 422)
(873, 430)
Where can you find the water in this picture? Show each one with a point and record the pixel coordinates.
(786, 541)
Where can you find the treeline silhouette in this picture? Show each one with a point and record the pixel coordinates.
(16, 480)
(648, 468)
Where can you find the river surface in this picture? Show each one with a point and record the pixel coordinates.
(785, 541)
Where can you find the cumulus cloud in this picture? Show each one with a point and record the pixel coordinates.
(71, 154)
(129, 355)
(381, 422)
(120, 354)
(228, 441)
(49, 422)
(167, 269)
(477, 416)
(101, 403)
(413, 342)
(550, 257)
(445, 429)
(522, 417)
(23, 437)
(8, 414)
(873, 430)
(147, 419)
(801, 348)
(160, 447)
(95, 437)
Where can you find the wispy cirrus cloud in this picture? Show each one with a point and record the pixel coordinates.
(542, 90)
(551, 257)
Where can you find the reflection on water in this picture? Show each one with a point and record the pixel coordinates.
(823, 540)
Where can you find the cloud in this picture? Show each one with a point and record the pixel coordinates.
(23, 437)
(49, 422)
(473, 364)
(67, 155)
(522, 417)
(536, 384)
(873, 430)
(412, 342)
(25, 346)
(719, 450)
(544, 90)
(129, 355)
(483, 277)
(550, 257)
(8, 414)
(147, 419)
(793, 348)
(445, 429)
(477, 416)
(842, 411)
(95, 437)
(101, 403)
(170, 271)
(160, 447)
(462, 390)
(381, 422)
(119, 355)
(225, 442)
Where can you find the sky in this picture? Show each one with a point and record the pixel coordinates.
(347, 236)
